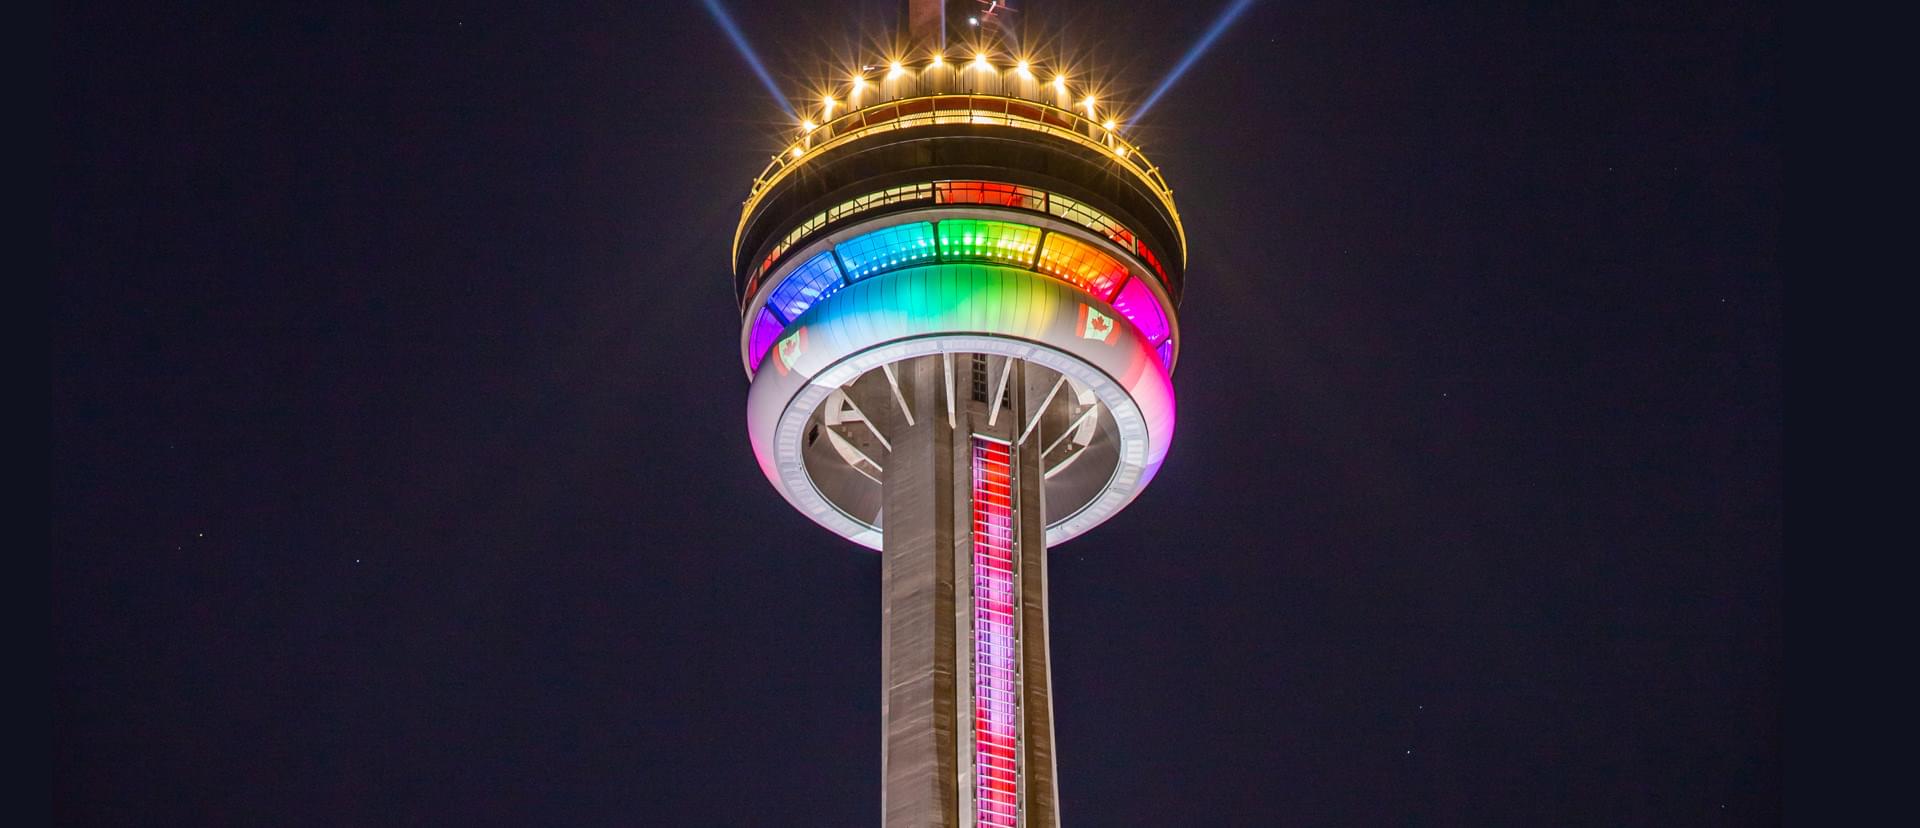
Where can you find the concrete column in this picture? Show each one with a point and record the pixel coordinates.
(920, 787)
(926, 574)
(1039, 794)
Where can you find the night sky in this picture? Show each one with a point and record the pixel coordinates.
(400, 473)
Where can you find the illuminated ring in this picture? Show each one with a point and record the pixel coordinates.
(795, 257)
(959, 308)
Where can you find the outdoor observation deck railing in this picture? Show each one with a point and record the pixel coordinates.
(933, 110)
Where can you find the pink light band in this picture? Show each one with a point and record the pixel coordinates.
(996, 729)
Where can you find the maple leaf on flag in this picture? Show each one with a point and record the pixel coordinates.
(1096, 326)
(789, 350)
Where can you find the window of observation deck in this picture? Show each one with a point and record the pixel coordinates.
(883, 250)
(817, 279)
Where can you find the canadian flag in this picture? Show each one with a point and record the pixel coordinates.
(789, 350)
(1096, 325)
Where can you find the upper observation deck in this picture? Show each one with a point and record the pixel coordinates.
(885, 103)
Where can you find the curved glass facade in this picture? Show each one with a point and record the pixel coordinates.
(1065, 258)
(1136, 303)
(766, 329)
(883, 250)
(1072, 260)
(995, 241)
(989, 193)
(809, 283)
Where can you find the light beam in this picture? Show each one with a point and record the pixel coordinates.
(1220, 24)
(740, 43)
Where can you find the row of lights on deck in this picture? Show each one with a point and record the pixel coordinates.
(980, 61)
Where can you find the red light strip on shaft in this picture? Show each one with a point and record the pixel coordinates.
(996, 729)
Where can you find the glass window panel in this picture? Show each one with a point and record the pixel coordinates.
(766, 329)
(1135, 302)
(812, 281)
(876, 253)
(883, 250)
(1153, 261)
(997, 241)
(990, 192)
(1085, 266)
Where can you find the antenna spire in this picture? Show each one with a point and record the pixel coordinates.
(927, 23)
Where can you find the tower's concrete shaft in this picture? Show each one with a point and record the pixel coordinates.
(943, 661)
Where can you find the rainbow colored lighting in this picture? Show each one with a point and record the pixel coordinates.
(812, 281)
(884, 250)
(1001, 241)
(918, 304)
(1075, 262)
(766, 329)
(1082, 264)
(996, 736)
(1135, 301)
(989, 193)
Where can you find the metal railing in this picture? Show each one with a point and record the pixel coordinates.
(931, 110)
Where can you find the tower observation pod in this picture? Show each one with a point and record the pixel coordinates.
(957, 284)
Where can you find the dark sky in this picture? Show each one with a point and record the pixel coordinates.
(400, 473)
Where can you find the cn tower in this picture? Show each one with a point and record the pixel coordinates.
(958, 283)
